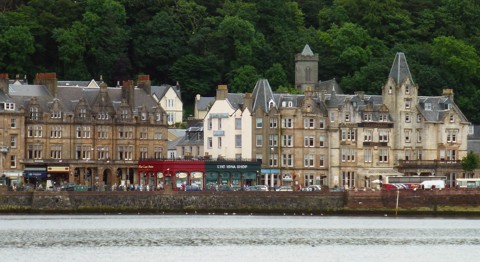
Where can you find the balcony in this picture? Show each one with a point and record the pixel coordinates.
(429, 164)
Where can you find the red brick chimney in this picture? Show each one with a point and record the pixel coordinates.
(4, 82)
(145, 83)
(47, 79)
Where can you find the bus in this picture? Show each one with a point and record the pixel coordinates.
(468, 182)
(408, 182)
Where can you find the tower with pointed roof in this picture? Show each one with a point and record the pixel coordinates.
(400, 89)
(306, 69)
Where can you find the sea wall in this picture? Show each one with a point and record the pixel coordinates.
(420, 202)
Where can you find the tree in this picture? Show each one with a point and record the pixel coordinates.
(196, 74)
(157, 44)
(470, 162)
(108, 38)
(16, 47)
(72, 46)
(244, 79)
(276, 76)
(456, 56)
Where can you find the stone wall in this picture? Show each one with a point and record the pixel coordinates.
(432, 202)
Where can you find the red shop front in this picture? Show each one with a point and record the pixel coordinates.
(171, 174)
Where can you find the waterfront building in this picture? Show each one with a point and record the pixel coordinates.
(227, 127)
(12, 135)
(326, 137)
(85, 133)
(202, 174)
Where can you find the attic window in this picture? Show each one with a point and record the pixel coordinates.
(271, 104)
(144, 116)
(56, 114)
(428, 106)
(390, 90)
(452, 118)
(34, 113)
(407, 90)
(9, 106)
(347, 117)
(449, 106)
(82, 113)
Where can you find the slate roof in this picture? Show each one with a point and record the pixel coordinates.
(204, 102)
(400, 71)
(307, 51)
(69, 97)
(473, 140)
(262, 94)
(161, 90)
(329, 86)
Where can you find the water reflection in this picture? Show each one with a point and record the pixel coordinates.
(108, 233)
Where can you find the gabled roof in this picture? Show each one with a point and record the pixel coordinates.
(204, 102)
(161, 90)
(439, 108)
(400, 71)
(90, 84)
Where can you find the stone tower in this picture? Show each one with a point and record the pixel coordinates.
(306, 69)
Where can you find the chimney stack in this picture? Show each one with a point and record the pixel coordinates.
(449, 93)
(222, 92)
(4, 82)
(47, 79)
(144, 83)
(128, 92)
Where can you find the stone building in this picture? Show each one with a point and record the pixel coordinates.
(86, 133)
(326, 137)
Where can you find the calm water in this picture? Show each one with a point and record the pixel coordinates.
(236, 238)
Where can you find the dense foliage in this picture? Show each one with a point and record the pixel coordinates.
(201, 43)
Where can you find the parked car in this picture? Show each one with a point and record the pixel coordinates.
(224, 188)
(285, 188)
(314, 188)
(192, 188)
(236, 188)
(261, 187)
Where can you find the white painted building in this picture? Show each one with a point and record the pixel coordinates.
(227, 127)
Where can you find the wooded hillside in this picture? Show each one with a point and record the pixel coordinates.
(201, 43)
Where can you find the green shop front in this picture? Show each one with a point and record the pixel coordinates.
(231, 173)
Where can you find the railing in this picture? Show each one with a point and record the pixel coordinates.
(430, 164)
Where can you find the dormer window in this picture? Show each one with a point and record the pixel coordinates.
(144, 116)
(428, 106)
(102, 116)
(34, 113)
(9, 106)
(56, 114)
(271, 104)
(347, 117)
(158, 117)
(367, 117)
(82, 113)
(290, 104)
(124, 114)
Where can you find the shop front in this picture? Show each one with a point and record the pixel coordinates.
(34, 176)
(205, 175)
(231, 173)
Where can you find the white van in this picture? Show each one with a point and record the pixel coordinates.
(430, 184)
